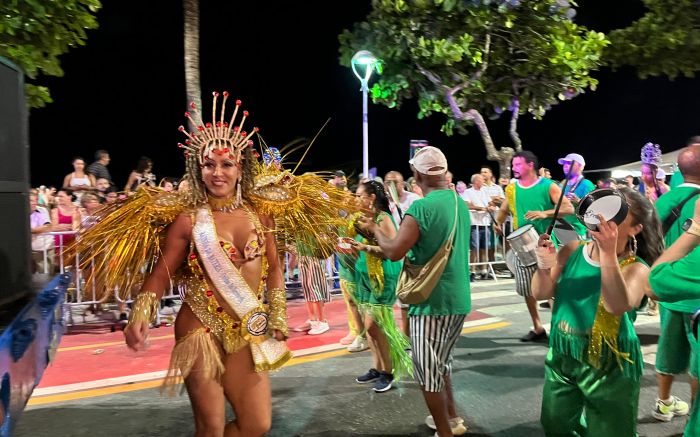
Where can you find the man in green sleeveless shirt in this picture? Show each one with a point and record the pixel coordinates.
(436, 323)
(674, 277)
(531, 201)
(677, 346)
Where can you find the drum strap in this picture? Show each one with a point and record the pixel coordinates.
(572, 189)
(676, 212)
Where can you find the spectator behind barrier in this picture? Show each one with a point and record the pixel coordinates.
(40, 223)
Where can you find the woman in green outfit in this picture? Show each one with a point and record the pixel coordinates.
(375, 281)
(594, 363)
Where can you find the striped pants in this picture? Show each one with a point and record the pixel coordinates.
(433, 339)
(313, 279)
(523, 278)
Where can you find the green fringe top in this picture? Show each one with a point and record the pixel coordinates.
(577, 295)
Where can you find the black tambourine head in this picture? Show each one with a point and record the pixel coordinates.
(608, 201)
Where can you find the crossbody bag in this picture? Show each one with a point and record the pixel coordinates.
(416, 282)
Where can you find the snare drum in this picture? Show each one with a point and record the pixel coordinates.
(524, 242)
(565, 232)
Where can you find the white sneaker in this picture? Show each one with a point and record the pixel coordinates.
(666, 411)
(307, 325)
(456, 423)
(318, 327)
(358, 345)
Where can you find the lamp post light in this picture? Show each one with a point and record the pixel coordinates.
(365, 59)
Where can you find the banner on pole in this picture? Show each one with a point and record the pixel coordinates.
(415, 146)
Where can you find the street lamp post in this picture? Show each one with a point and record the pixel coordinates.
(364, 58)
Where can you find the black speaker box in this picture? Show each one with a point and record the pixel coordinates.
(15, 236)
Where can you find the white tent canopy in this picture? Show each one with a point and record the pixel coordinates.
(668, 164)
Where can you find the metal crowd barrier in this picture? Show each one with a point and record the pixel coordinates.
(496, 248)
(78, 296)
(495, 256)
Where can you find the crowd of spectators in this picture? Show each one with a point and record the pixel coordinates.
(56, 213)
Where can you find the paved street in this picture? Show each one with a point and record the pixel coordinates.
(498, 383)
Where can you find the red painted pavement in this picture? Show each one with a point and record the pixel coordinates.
(110, 361)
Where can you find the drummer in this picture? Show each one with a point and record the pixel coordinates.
(531, 200)
(575, 186)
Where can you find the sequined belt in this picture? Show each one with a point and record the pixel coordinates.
(215, 319)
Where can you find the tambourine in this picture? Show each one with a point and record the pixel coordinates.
(609, 203)
(344, 245)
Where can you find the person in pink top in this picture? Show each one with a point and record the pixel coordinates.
(65, 217)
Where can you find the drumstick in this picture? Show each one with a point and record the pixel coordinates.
(394, 194)
(556, 209)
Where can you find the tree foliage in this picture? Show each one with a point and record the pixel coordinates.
(665, 41)
(34, 33)
(468, 59)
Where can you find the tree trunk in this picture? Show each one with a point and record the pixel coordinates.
(502, 156)
(192, 84)
(515, 113)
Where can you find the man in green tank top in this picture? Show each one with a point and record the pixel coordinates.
(531, 201)
(677, 346)
(674, 277)
(436, 323)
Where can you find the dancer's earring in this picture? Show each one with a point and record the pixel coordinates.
(239, 194)
(633, 246)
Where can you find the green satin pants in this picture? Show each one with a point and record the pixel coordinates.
(692, 429)
(581, 400)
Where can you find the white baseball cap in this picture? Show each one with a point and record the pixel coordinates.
(429, 158)
(571, 157)
(660, 174)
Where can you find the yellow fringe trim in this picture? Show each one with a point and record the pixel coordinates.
(605, 330)
(510, 195)
(197, 347)
(375, 271)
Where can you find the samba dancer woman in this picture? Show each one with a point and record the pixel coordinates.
(220, 250)
(649, 185)
(594, 363)
(215, 349)
(650, 188)
(375, 281)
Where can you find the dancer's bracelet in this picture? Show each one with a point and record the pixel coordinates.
(144, 307)
(277, 300)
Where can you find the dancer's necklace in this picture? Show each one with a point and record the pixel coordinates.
(222, 204)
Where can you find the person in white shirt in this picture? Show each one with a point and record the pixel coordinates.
(395, 186)
(480, 206)
(40, 223)
(490, 186)
(495, 191)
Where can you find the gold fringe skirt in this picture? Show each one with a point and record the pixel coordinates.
(199, 348)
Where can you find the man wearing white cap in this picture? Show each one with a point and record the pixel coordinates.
(575, 186)
(436, 323)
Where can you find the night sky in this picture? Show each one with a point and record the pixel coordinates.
(124, 92)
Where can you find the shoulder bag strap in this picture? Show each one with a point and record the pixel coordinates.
(676, 212)
(454, 225)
